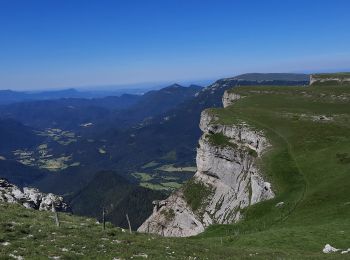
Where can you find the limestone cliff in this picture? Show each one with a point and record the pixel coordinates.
(227, 180)
(335, 78)
(30, 197)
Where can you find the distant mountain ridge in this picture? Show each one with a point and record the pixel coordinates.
(261, 77)
(8, 96)
(70, 113)
(154, 137)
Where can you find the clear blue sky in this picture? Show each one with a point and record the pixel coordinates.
(62, 43)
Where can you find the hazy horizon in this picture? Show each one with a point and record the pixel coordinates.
(157, 84)
(58, 45)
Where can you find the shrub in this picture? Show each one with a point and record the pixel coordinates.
(196, 193)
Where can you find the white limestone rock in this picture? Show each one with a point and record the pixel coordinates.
(345, 251)
(229, 98)
(329, 249)
(30, 197)
(229, 172)
(321, 79)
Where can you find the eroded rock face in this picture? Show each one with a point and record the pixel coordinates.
(229, 174)
(31, 197)
(173, 218)
(229, 98)
(319, 79)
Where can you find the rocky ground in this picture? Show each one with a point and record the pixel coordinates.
(31, 197)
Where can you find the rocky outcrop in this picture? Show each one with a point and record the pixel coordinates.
(342, 78)
(31, 197)
(227, 180)
(229, 98)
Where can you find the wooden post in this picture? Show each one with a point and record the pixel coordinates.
(103, 218)
(55, 215)
(127, 218)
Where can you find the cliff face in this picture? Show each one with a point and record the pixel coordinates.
(336, 78)
(227, 180)
(30, 197)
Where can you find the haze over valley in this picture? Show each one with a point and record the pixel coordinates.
(197, 130)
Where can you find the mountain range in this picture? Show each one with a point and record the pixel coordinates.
(271, 181)
(147, 141)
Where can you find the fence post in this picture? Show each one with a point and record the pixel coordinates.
(127, 218)
(103, 218)
(55, 214)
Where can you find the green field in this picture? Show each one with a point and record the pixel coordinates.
(308, 165)
(150, 165)
(340, 75)
(172, 168)
(166, 177)
(142, 176)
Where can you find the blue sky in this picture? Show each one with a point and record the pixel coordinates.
(64, 43)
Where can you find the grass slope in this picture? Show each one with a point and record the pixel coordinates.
(33, 235)
(340, 75)
(308, 165)
(310, 133)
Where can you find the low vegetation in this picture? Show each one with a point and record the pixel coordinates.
(196, 194)
(33, 234)
(219, 139)
(169, 214)
(172, 168)
(340, 75)
(308, 166)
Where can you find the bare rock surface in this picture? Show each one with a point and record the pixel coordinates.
(228, 174)
(31, 197)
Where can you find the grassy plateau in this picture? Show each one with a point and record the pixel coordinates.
(308, 165)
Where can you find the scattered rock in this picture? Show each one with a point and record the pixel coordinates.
(279, 204)
(30, 197)
(321, 118)
(329, 249)
(16, 257)
(345, 251)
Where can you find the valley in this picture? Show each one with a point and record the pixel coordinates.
(73, 140)
(187, 129)
(302, 152)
